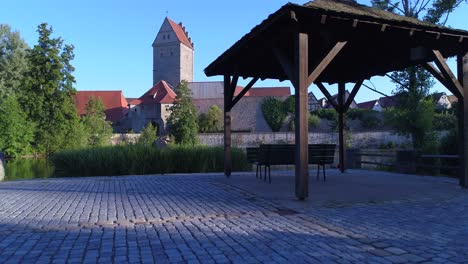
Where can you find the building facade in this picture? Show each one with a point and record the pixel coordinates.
(173, 53)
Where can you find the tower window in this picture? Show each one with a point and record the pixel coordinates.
(164, 36)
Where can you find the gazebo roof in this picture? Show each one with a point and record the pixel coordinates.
(377, 42)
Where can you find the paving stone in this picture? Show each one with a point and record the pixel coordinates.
(196, 219)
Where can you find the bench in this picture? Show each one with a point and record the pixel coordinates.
(284, 154)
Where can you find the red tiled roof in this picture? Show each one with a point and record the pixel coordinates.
(389, 101)
(265, 91)
(115, 103)
(367, 105)
(180, 32)
(160, 93)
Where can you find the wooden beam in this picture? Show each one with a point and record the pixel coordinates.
(286, 65)
(326, 61)
(323, 19)
(328, 96)
(243, 92)
(438, 75)
(446, 72)
(341, 99)
(462, 68)
(301, 66)
(350, 99)
(227, 126)
(383, 27)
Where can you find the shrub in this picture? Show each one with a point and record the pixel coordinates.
(290, 104)
(273, 111)
(211, 121)
(313, 120)
(370, 119)
(329, 114)
(145, 159)
(148, 135)
(444, 121)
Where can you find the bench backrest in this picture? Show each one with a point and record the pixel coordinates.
(278, 154)
(321, 153)
(252, 154)
(284, 154)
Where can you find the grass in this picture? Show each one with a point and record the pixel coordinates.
(145, 159)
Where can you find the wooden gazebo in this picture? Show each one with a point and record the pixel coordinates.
(339, 42)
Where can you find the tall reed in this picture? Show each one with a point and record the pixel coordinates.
(145, 159)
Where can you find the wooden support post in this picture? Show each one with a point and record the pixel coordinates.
(462, 67)
(227, 126)
(341, 111)
(301, 65)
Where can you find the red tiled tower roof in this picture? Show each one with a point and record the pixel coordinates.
(180, 32)
(115, 103)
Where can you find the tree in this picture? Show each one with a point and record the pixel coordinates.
(210, 122)
(17, 132)
(148, 135)
(273, 111)
(47, 91)
(413, 84)
(183, 119)
(13, 62)
(98, 129)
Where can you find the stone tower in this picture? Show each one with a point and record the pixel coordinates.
(172, 54)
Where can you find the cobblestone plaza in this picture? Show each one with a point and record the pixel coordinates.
(205, 219)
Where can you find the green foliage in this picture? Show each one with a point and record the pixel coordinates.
(415, 122)
(148, 135)
(47, 91)
(273, 111)
(13, 62)
(313, 120)
(445, 121)
(290, 104)
(145, 159)
(17, 132)
(182, 122)
(211, 121)
(327, 113)
(99, 130)
(369, 118)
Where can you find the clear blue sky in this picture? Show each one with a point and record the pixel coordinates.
(113, 39)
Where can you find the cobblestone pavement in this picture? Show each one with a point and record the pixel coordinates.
(195, 219)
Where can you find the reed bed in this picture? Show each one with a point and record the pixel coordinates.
(145, 159)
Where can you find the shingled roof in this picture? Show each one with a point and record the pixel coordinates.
(370, 33)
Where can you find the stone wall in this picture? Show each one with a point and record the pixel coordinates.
(243, 140)
(355, 139)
